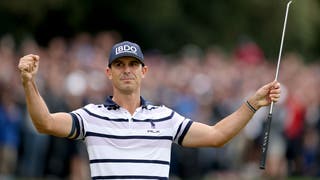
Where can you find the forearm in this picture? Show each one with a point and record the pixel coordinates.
(37, 108)
(230, 126)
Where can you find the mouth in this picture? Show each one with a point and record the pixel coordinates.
(126, 79)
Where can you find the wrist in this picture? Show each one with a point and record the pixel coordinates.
(25, 81)
(253, 105)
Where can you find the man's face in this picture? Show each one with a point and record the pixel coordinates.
(126, 74)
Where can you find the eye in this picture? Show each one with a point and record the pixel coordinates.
(134, 63)
(118, 64)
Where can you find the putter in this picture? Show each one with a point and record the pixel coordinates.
(269, 118)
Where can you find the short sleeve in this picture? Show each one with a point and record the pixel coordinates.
(181, 127)
(77, 131)
(79, 121)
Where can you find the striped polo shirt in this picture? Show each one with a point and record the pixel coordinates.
(125, 146)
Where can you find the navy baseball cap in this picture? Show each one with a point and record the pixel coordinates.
(126, 49)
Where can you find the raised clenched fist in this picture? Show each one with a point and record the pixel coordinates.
(28, 66)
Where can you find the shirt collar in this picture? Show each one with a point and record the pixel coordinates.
(110, 103)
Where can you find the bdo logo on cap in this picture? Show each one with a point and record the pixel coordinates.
(126, 49)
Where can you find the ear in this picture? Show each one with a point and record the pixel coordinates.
(144, 71)
(108, 73)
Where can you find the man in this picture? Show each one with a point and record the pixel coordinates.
(127, 137)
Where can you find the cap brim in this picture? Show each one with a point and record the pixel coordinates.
(126, 55)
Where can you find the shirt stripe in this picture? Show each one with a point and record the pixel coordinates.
(104, 117)
(128, 161)
(73, 129)
(178, 131)
(130, 177)
(128, 137)
(155, 120)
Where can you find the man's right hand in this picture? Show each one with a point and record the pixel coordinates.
(28, 66)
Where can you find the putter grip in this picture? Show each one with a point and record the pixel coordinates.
(265, 141)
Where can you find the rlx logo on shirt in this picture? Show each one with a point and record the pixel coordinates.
(153, 131)
(126, 48)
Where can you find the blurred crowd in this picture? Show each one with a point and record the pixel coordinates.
(203, 84)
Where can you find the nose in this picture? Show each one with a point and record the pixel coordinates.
(126, 68)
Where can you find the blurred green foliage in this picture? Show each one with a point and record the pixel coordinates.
(170, 24)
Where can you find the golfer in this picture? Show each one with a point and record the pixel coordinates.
(127, 137)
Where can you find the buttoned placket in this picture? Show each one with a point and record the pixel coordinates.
(129, 116)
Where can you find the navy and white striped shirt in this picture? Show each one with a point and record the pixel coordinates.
(125, 146)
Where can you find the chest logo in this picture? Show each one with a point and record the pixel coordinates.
(153, 131)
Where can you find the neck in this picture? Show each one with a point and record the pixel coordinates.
(130, 102)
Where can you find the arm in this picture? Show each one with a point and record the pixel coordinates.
(57, 124)
(201, 135)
